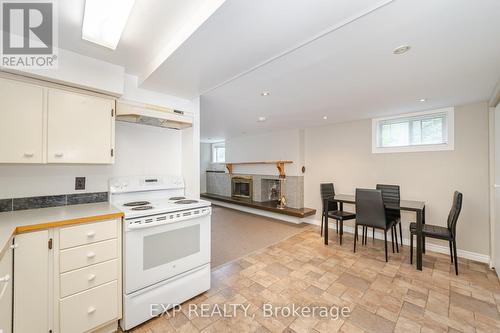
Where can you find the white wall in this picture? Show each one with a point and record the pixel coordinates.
(205, 159)
(191, 153)
(278, 145)
(347, 161)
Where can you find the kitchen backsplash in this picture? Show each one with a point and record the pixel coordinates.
(7, 205)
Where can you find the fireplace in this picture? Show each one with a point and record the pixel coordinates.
(241, 187)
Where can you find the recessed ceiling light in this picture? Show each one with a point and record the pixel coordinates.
(422, 100)
(104, 21)
(261, 119)
(325, 117)
(265, 93)
(401, 49)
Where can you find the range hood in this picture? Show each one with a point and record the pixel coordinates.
(152, 115)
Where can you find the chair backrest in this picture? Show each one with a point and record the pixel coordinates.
(328, 192)
(456, 207)
(390, 194)
(391, 197)
(370, 208)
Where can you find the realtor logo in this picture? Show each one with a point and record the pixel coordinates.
(29, 34)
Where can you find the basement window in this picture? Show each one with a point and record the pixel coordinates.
(218, 152)
(421, 131)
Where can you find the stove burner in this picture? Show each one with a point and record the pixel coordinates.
(136, 203)
(177, 198)
(142, 208)
(185, 202)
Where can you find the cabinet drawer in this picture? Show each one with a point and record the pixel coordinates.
(82, 256)
(85, 311)
(87, 233)
(89, 277)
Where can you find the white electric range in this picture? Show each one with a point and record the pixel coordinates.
(166, 245)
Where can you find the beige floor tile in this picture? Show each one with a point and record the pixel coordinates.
(383, 297)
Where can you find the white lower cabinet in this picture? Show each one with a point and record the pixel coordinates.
(6, 291)
(70, 290)
(31, 282)
(90, 309)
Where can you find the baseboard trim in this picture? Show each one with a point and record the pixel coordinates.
(483, 258)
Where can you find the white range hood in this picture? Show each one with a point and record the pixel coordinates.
(152, 115)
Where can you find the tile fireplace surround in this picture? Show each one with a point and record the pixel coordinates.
(220, 184)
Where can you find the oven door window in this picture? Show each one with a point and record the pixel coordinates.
(169, 246)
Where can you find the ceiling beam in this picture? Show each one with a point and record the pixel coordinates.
(189, 27)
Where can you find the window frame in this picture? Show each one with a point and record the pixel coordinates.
(450, 132)
(214, 154)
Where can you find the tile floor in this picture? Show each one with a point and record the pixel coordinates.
(382, 297)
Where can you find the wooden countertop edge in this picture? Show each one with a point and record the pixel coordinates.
(47, 225)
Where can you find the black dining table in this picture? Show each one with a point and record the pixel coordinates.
(406, 205)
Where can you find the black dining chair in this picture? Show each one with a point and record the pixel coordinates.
(370, 212)
(448, 233)
(392, 199)
(339, 215)
(327, 192)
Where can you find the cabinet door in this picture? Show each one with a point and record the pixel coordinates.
(80, 128)
(6, 292)
(31, 283)
(21, 122)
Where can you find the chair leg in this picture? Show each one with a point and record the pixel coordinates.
(456, 258)
(385, 244)
(337, 226)
(423, 244)
(366, 235)
(355, 236)
(363, 235)
(451, 251)
(411, 248)
(392, 238)
(396, 237)
(401, 233)
(322, 222)
(373, 233)
(341, 232)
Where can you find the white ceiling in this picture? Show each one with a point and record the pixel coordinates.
(151, 26)
(352, 74)
(316, 57)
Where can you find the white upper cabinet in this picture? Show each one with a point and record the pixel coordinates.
(21, 122)
(80, 128)
(40, 123)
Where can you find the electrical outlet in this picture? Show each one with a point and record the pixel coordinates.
(80, 183)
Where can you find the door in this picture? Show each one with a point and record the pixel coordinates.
(156, 253)
(496, 237)
(31, 282)
(80, 128)
(21, 122)
(6, 291)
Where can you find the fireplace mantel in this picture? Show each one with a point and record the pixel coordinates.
(280, 164)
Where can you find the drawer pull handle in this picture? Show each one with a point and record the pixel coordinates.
(91, 255)
(91, 277)
(58, 154)
(91, 234)
(91, 310)
(29, 154)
